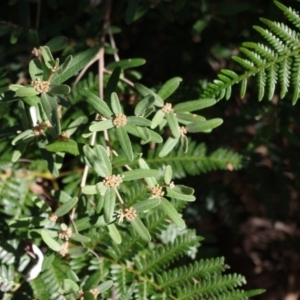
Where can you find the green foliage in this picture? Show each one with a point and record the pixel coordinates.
(272, 65)
(88, 167)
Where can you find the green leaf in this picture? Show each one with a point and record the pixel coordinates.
(69, 286)
(101, 188)
(184, 142)
(112, 83)
(114, 233)
(173, 123)
(140, 229)
(65, 65)
(35, 69)
(125, 142)
(171, 212)
(103, 156)
(131, 10)
(115, 104)
(78, 62)
(144, 91)
(157, 119)
(145, 205)
(15, 87)
(89, 190)
(202, 126)
(168, 146)
(109, 204)
(32, 101)
(169, 87)
(80, 238)
(47, 56)
(66, 207)
(138, 121)
(193, 105)
(66, 147)
(25, 136)
(186, 118)
(104, 286)
(139, 174)
(180, 193)
(26, 92)
(60, 89)
(57, 43)
(50, 241)
(126, 63)
(50, 107)
(168, 174)
(144, 105)
(23, 115)
(72, 127)
(99, 105)
(95, 161)
(151, 181)
(101, 125)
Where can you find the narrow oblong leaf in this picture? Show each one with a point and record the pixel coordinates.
(144, 91)
(139, 174)
(179, 194)
(80, 238)
(168, 174)
(101, 125)
(35, 69)
(15, 87)
(26, 92)
(109, 204)
(99, 105)
(60, 89)
(194, 105)
(173, 123)
(146, 205)
(114, 233)
(65, 64)
(125, 143)
(141, 229)
(25, 136)
(47, 56)
(64, 146)
(202, 126)
(151, 181)
(169, 87)
(66, 207)
(50, 107)
(126, 63)
(49, 240)
(104, 286)
(168, 146)
(115, 103)
(138, 121)
(171, 212)
(112, 83)
(103, 156)
(144, 105)
(77, 63)
(157, 119)
(186, 118)
(89, 190)
(57, 43)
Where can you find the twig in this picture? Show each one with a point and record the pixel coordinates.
(38, 15)
(121, 78)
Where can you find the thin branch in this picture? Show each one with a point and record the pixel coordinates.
(113, 45)
(38, 15)
(121, 78)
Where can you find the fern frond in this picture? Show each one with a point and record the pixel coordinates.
(273, 65)
(204, 268)
(164, 255)
(214, 286)
(196, 160)
(122, 278)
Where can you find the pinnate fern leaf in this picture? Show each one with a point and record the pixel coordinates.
(275, 64)
(196, 160)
